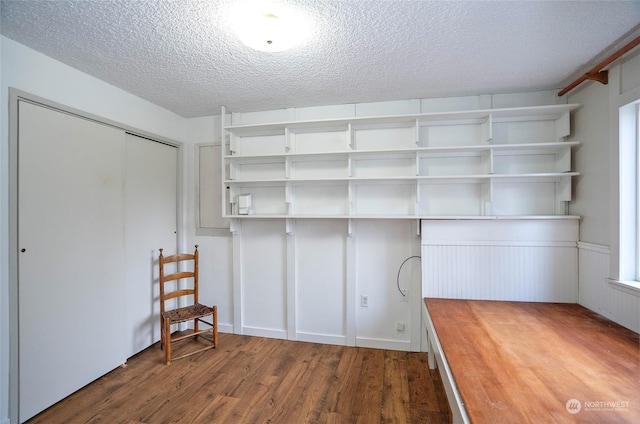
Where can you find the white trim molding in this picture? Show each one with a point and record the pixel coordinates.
(630, 287)
(599, 248)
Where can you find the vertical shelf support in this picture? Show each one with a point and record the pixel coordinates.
(232, 199)
(351, 194)
(564, 159)
(487, 127)
(233, 170)
(487, 198)
(288, 197)
(233, 144)
(287, 139)
(287, 168)
(418, 203)
(290, 226)
(563, 126)
(563, 195)
(224, 143)
(487, 159)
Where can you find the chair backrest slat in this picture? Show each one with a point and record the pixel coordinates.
(179, 259)
(178, 276)
(178, 293)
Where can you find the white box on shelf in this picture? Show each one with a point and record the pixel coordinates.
(244, 204)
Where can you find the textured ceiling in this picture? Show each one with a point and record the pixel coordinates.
(182, 55)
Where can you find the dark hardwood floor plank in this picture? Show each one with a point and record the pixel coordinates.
(258, 380)
(395, 403)
(345, 389)
(367, 405)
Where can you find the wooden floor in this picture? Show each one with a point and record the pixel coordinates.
(518, 362)
(258, 380)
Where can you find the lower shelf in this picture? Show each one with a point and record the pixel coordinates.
(426, 217)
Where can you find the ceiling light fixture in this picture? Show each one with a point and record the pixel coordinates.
(269, 26)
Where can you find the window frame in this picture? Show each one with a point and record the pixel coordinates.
(625, 272)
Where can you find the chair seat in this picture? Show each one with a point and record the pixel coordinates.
(187, 313)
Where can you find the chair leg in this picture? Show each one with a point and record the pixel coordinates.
(161, 333)
(167, 330)
(215, 326)
(195, 329)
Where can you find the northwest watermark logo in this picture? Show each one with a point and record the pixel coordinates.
(574, 405)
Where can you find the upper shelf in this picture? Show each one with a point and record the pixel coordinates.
(530, 113)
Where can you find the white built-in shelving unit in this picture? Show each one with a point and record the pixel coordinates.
(482, 164)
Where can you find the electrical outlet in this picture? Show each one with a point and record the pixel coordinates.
(364, 301)
(400, 326)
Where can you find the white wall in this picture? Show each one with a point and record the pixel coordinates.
(39, 75)
(597, 192)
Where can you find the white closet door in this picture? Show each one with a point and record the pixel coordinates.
(150, 224)
(70, 232)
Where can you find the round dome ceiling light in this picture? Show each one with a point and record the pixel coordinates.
(268, 26)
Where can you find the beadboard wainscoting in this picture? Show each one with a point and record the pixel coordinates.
(516, 260)
(599, 294)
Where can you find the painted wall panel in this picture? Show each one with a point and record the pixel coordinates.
(321, 278)
(216, 279)
(264, 255)
(597, 294)
(592, 199)
(381, 247)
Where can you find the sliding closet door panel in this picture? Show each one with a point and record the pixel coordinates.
(150, 224)
(71, 238)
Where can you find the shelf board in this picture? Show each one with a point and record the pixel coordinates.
(425, 217)
(411, 150)
(552, 111)
(471, 177)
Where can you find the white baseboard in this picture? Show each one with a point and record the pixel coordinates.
(321, 338)
(328, 339)
(264, 332)
(384, 344)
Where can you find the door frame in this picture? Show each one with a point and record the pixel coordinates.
(15, 96)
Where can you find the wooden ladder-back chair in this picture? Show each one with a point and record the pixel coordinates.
(195, 311)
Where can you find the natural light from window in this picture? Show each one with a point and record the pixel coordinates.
(637, 190)
(629, 195)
